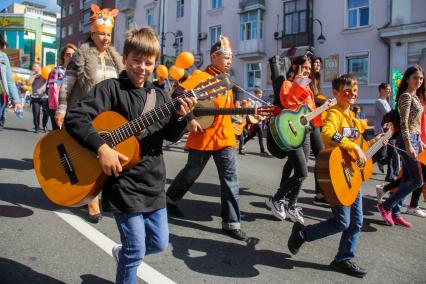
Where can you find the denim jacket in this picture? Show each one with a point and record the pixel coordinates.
(7, 78)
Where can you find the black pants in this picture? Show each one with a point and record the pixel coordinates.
(415, 196)
(52, 113)
(257, 129)
(316, 146)
(290, 187)
(38, 104)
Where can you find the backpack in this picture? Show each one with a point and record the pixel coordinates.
(394, 118)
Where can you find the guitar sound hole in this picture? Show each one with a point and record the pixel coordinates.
(303, 120)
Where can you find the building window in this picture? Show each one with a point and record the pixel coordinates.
(253, 75)
(130, 22)
(71, 9)
(251, 25)
(179, 8)
(358, 13)
(81, 4)
(215, 32)
(295, 17)
(80, 25)
(150, 17)
(64, 12)
(216, 4)
(86, 18)
(357, 65)
(70, 29)
(64, 32)
(179, 41)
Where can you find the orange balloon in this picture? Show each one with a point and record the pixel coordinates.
(162, 71)
(45, 71)
(177, 73)
(196, 72)
(185, 60)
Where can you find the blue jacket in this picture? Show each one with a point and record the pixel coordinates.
(7, 78)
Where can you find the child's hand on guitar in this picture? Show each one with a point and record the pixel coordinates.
(109, 159)
(194, 126)
(361, 158)
(186, 105)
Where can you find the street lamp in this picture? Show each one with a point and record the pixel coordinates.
(163, 43)
(321, 38)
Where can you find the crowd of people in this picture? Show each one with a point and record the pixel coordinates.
(95, 78)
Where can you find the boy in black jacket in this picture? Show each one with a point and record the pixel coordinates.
(136, 196)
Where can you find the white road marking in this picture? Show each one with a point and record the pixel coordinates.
(145, 272)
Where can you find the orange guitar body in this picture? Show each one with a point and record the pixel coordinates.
(51, 172)
(338, 175)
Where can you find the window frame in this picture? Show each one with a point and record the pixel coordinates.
(218, 34)
(357, 26)
(180, 9)
(147, 12)
(355, 55)
(298, 13)
(217, 2)
(71, 9)
(246, 74)
(258, 27)
(70, 27)
(127, 24)
(179, 41)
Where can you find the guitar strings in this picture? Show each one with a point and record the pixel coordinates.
(120, 130)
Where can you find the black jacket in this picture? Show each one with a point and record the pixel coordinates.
(141, 188)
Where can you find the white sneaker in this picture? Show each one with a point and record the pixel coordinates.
(116, 252)
(295, 214)
(380, 193)
(416, 212)
(277, 208)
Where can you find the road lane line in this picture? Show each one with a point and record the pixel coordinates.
(145, 272)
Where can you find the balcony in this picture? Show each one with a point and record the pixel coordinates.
(251, 49)
(294, 40)
(246, 5)
(126, 5)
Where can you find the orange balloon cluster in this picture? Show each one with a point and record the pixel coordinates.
(162, 71)
(176, 72)
(185, 60)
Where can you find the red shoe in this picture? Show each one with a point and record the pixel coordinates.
(402, 222)
(386, 215)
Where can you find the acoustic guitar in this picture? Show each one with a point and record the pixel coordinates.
(338, 175)
(205, 112)
(70, 175)
(289, 128)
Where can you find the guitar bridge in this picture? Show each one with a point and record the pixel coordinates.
(66, 164)
(347, 174)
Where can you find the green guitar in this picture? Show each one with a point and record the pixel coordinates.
(289, 128)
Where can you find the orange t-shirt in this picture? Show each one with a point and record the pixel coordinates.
(292, 96)
(221, 134)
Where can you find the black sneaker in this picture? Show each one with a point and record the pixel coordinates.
(241, 152)
(295, 241)
(236, 234)
(348, 267)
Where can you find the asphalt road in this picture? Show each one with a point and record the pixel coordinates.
(37, 246)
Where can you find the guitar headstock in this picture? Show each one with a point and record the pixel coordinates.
(213, 87)
(268, 110)
(331, 102)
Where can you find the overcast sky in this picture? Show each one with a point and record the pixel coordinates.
(50, 4)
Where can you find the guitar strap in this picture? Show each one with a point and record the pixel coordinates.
(151, 100)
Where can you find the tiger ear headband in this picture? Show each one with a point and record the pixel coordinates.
(102, 20)
(225, 46)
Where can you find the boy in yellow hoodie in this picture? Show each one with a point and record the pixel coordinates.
(340, 129)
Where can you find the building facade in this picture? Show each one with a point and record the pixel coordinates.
(355, 36)
(30, 32)
(75, 19)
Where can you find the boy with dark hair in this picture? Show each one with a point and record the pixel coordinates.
(136, 196)
(340, 129)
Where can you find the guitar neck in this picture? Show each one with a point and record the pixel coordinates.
(321, 109)
(223, 111)
(377, 145)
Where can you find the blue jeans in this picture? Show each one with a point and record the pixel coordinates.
(226, 164)
(412, 177)
(141, 234)
(346, 219)
(3, 106)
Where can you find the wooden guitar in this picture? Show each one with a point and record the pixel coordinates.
(205, 112)
(289, 128)
(70, 174)
(338, 175)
